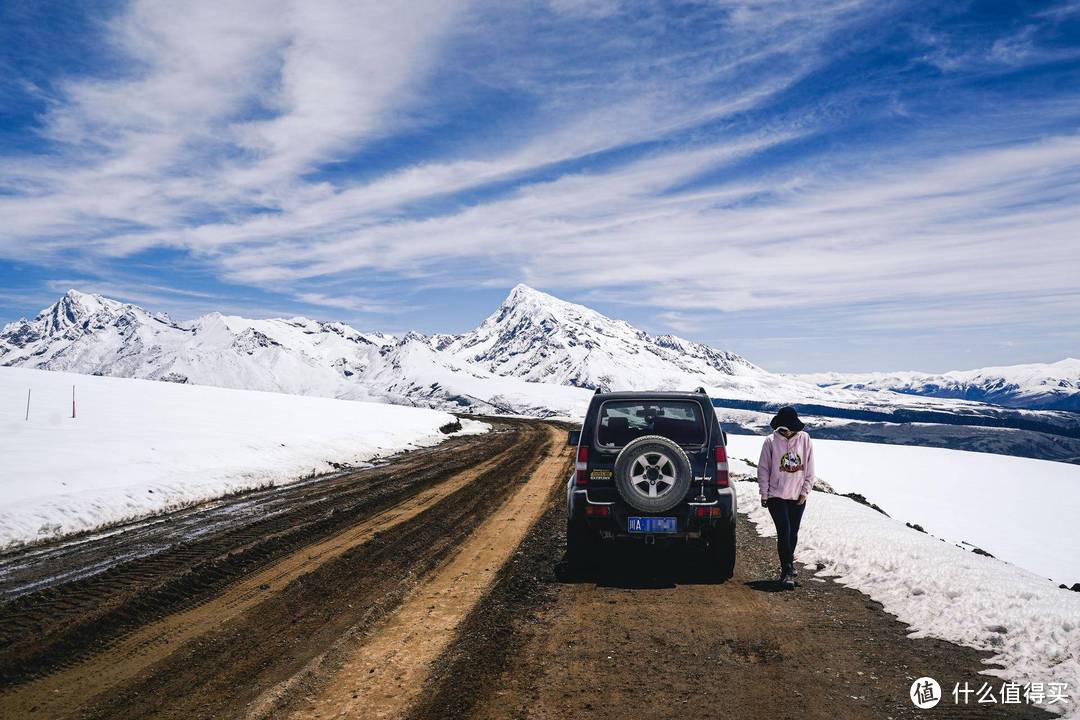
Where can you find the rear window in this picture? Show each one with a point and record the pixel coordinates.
(621, 421)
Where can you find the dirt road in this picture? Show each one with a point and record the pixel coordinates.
(432, 586)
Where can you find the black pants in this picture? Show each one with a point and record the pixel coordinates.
(786, 515)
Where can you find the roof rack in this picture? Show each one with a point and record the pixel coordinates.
(701, 391)
(597, 392)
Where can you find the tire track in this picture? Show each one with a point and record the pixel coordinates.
(382, 676)
(132, 654)
(54, 628)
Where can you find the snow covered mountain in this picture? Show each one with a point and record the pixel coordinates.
(531, 339)
(536, 354)
(1039, 386)
(540, 338)
(94, 335)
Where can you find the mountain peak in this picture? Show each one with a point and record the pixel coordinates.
(74, 308)
(524, 293)
(528, 302)
(542, 338)
(75, 304)
(79, 296)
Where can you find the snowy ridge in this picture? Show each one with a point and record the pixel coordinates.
(94, 335)
(1045, 386)
(413, 372)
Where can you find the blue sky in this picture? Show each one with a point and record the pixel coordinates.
(816, 185)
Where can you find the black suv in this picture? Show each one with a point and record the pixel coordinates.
(651, 466)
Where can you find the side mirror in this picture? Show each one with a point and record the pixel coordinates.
(573, 438)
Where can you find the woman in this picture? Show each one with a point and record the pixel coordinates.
(785, 476)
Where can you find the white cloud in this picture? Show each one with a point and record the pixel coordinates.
(204, 143)
(585, 8)
(952, 228)
(355, 303)
(172, 136)
(222, 108)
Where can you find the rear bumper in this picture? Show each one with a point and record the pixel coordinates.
(609, 516)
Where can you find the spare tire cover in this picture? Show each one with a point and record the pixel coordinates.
(652, 474)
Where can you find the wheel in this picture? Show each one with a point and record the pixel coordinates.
(720, 550)
(652, 474)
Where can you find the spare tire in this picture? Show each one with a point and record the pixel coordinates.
(652, 474)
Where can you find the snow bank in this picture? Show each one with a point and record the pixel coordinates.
(1020, 510)
(941, 591)
(138, 447)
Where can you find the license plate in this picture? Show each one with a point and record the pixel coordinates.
(652, 524)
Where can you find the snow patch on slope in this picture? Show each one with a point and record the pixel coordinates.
(412, 372)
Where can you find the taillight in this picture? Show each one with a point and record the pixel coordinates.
(598, 510)
(581, 467)
(721, 478)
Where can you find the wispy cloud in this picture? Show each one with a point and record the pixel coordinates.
(353, 303)
(222, 108)
(730, 157)
(228, 107)
(1001, 218)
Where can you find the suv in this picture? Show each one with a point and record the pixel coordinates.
(651, 466)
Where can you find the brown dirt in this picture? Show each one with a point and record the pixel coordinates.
(647, 635)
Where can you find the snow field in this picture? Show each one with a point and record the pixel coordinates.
(1020, 510)
(140, 447)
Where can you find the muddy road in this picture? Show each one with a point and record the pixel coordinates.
(432, 586)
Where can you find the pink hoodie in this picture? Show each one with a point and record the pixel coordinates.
(786, 467)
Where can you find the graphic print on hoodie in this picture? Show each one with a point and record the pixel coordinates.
(791, 462)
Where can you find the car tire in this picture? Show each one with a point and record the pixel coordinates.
(720, 550)
(656, 465)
